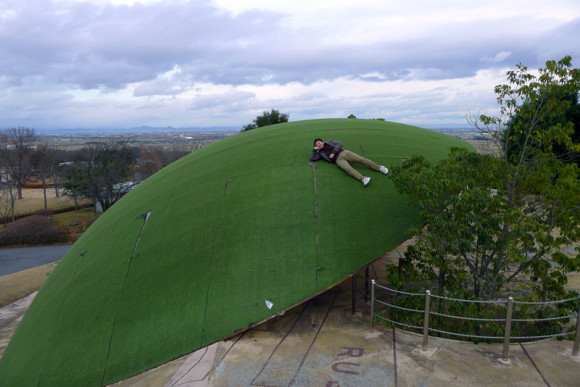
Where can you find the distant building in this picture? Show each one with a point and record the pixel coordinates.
(4, 177)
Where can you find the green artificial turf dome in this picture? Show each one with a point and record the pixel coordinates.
(241, 221)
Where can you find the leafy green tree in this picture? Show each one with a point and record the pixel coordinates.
(351, 116)
(101, 172)
(493, 224)
(75, 184)
(267, 118)
(571, 114)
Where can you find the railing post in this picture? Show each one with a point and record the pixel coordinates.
(367, 284)
(426, 320)
(508, 328)
(353, 294)
(372, 306)
(577, 337)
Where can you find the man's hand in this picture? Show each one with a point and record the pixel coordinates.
(332, 155)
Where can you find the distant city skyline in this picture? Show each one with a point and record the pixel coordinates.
(146, 128)
(102, 64)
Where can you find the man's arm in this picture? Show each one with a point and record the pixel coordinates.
(337, 146)
(315, 156)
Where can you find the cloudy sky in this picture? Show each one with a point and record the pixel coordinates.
(125, 63)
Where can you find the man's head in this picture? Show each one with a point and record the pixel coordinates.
(318, 143)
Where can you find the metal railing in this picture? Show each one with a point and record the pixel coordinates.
(426, 311)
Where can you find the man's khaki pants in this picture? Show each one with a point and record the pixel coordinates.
(345, 157)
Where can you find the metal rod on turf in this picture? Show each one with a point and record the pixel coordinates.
(353, 293)
(372, 306)
(577, 337)
(508, 328)
(426, 320)
(367, 283)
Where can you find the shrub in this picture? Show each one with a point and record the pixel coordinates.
(33, 230)
(44, 212)
(36, 185)
(76, 226)
(528, 319)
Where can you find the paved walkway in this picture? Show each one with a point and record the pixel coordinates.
(16, 259)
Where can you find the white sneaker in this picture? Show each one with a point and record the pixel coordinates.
(366, 181)
(384, 169)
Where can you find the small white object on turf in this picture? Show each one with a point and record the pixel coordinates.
(366, 180)
(384, 169)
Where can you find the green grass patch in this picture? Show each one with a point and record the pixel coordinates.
(86, 213)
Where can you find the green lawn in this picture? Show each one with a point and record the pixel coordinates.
(85, 213)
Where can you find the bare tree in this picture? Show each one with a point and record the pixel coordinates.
(16, 150)
(149, 161)
(6, 202)
(176, 152)
(57, 179)
(45, 161)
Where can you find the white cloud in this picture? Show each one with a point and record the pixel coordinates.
(500, 57)
(228, 100)
(207, 63)
(413, 101)
(373, 75)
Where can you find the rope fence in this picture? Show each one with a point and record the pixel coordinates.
(426, 312)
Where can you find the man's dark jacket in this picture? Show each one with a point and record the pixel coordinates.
(318, 154)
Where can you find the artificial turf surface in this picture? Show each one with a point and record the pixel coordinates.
(242, 220)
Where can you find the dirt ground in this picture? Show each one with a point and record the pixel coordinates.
(483, 147)
(18, 285)
(33, 199)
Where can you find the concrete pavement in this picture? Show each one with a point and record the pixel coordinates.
(321, 343)
(16, 259)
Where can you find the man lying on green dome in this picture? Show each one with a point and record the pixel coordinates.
(332, 152)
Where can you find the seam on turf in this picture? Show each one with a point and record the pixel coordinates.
(71, 281)
(61, 305)
(212, 255)
(175, 186)
(313, 165)
(145, 216)
(218, 220)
